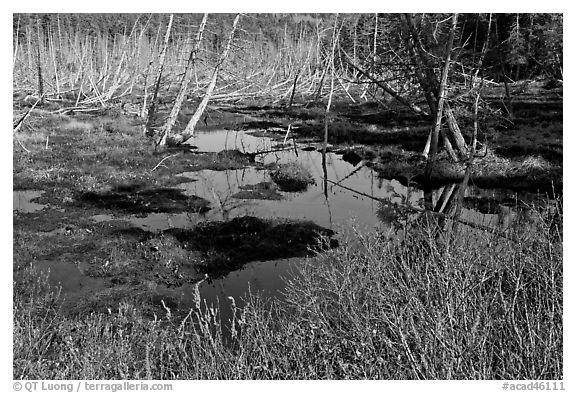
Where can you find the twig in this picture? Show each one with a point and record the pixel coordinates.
(21, 121)
(287, 132)
(20, 143)
(164, 159)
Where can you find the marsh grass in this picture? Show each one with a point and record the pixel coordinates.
(88, 153)
(292, 176)
(416, 307)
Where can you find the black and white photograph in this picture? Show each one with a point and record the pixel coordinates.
(287, 196)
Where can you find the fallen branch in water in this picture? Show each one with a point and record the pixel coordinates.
(270, 151)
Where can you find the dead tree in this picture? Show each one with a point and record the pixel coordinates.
(424, 74)
(470, 160)
(39, 63)
(154, 102)
(455, 131)
(387, 88)
(117, 79)
(144, 110)
(190, 128)
(441, 98)
(294, 86)
(328, 105)
(186, 78)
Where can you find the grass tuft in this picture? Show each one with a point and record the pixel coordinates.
(292, 177)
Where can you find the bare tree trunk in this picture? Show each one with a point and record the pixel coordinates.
(441, 97)
(137, 59)
(427, 65)
(448, 145)
(508, 100)
(116, 81)
(483, 53)
(154, 102)
(190, 128)
(384, 86)
(374, 57)
(144, 111)
(294, 88)
(517, 41)
(39, 64)
(423, 75)
(29, 34)
(464, 185)
(16, 44)
(186, 78)
(328, 105)
(355, 43)
(455, 130)
(51, 38)
(320, 87)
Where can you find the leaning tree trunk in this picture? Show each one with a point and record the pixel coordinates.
(294, 87)
(190, 128)
(387, 88)
(441, 98)
(39, 64)
(154, 102)
(183, 85)
(455, 131)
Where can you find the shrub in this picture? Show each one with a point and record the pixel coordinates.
(428, 304)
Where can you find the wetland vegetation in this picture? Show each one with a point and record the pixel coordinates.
(297, 196)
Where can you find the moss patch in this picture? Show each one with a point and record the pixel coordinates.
(129, 199)
(228, 245)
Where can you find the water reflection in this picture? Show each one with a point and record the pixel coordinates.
(22, 201)
(342, 192)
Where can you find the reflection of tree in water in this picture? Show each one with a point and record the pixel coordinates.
(221, 192)
(443, 216)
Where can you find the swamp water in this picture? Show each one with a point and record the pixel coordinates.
(350, 198)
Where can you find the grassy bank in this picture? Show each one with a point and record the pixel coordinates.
(410, 308)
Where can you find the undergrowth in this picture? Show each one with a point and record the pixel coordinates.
(422, 306)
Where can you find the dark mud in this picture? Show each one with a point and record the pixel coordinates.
(228, 245)
(99, 266)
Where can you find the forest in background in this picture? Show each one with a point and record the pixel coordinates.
(142, 60)
(93, 53)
